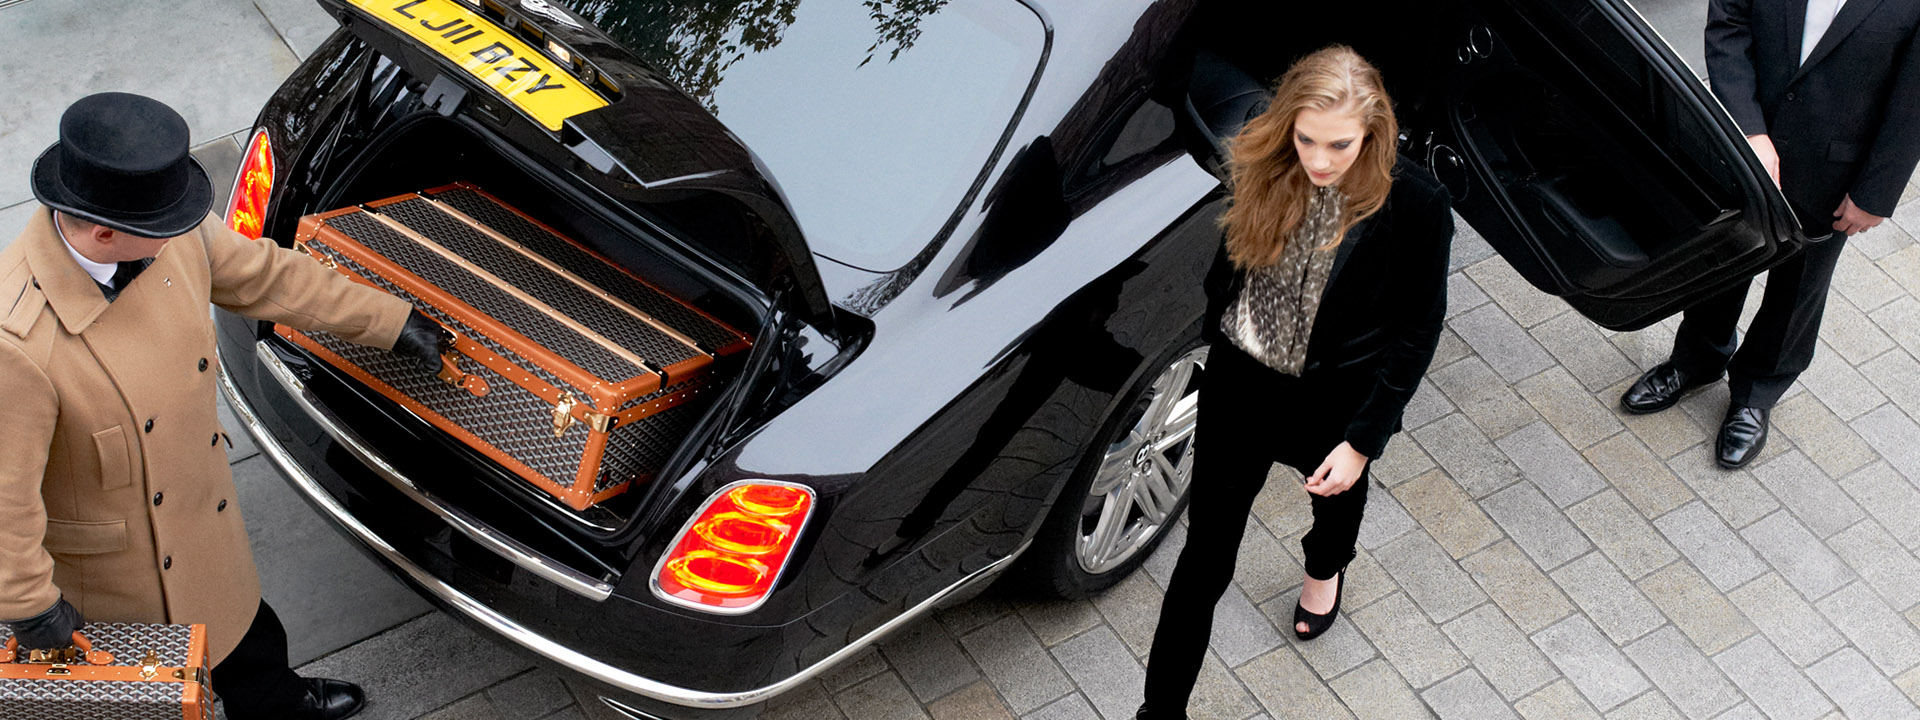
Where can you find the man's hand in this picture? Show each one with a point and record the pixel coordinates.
(1852, 219)
(1340, 471)
(50, 630)
(1769, 157)
(422, 340)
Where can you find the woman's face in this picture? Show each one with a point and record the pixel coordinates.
(1328, 143)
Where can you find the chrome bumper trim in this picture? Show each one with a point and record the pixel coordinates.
(592, 588)
(506, 627)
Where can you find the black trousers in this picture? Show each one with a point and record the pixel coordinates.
(1249, 417)
(1781, 341)
(254, 681)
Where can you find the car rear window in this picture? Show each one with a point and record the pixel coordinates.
(875, 117)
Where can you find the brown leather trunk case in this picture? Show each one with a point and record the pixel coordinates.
(567, 370)
(115, 671)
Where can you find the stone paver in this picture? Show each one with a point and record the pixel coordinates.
(1530, 550)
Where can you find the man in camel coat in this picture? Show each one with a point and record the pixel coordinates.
(116, 503)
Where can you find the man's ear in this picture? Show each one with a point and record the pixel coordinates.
(102, 234)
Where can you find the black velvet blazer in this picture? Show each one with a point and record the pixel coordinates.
(1383, 305)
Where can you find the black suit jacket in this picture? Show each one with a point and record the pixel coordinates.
(1383, 306)
(1848, 121)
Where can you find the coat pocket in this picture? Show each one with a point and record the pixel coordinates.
(73, 537)
(116, 471)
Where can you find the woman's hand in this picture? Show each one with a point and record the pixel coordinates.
(1340, 471)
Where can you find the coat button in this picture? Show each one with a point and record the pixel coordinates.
(166, 563)
(1791, 98)
(222, 507)
(149, 426)
(158, 498)
(203, 364)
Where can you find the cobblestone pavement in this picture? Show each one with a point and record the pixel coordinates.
(1534, 552)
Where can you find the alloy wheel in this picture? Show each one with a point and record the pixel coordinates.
(1145, 473)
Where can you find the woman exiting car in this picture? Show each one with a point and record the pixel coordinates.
(1324, 306)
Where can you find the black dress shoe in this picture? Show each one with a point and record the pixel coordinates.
(1659, 388)
(1146, 714)
(331, 700)
(1315, 622)
(1742, 436)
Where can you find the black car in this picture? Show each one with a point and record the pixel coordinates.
(968, 237)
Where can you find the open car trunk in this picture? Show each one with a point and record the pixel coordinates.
(431, 160)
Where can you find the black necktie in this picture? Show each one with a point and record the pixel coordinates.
(123, 274)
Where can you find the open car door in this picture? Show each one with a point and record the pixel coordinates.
(1590, 156)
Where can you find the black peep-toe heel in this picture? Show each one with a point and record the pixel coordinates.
(1317, 623)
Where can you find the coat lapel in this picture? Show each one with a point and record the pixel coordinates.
(1796, 26)
(1355, 235)
(75, 297)
(1850, 17)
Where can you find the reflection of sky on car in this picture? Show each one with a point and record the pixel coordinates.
(874, 158)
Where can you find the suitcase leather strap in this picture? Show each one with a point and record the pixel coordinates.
(82, 649)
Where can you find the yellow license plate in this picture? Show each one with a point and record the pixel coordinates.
(525, 77)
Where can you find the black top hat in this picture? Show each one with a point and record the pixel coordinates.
(122, 162)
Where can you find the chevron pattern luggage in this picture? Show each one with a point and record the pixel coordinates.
(569, 371)
(115, 671)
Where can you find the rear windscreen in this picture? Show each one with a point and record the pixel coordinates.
(875, 117)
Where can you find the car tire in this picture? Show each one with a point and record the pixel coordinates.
(1121, 473)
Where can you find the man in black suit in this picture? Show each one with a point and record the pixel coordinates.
(1828, 92)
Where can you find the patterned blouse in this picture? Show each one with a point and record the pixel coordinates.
(1272, 319)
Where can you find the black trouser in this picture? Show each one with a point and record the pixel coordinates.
(254, 680)
(1248, 416)
(1781, 341)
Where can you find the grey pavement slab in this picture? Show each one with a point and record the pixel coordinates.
(1608, 599)
(1375, 691)
(327, 593)
(1805, 562)
(1886, 638)
(1733, 494)
(1805, 490)
(1638, 474)
(1623, 534)
(1517, 586)
(1500, 652)
(1467, 696)
(1821, 435)
(218, 85)
(1522, 302)
(1416, 647)
(1711, 545)
(1687, 677)
(1506, 346)
(1240, 631)
(1696, 608)
(1553, 465)
(1860, 691)
(420, 666)
(1536, 525)
(1895, 436)
(1774, 685)
(13, 219)
(1467, 455)
(1569, 407)
(881, 697)
(974, 702)
(1558, 701)
(1890, 498)
(928, 660)
(1287, 688)
(1447, 514)
(1602, 674)
(1802, 633)
(1017, 665)
(1483, 396)
(1104, 670)
(1430, 577)
(300, 23)
(1576, 342)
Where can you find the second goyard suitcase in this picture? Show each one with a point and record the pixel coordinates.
(567, 370)
(114, 671)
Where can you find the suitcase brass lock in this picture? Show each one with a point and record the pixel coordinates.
(563, 415)
(55, 656)
(150, 666)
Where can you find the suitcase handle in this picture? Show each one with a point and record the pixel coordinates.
(82, 648)
(450, 372)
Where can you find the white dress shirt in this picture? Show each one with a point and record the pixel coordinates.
(1820, 15)
(101, 272)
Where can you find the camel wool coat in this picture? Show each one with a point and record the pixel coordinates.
(114, 486)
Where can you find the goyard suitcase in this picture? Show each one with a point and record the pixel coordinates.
(115, 671)
(567, 370)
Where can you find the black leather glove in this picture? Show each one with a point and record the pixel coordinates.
(423, 341)
(49, 630)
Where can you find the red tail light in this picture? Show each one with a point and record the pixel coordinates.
(247, 212)
(729, 556)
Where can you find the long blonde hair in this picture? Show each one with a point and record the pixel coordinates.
(1270, 188)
